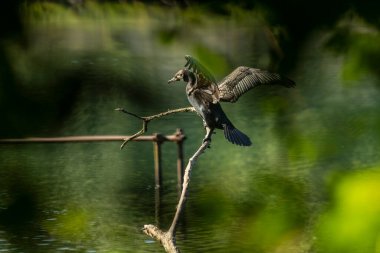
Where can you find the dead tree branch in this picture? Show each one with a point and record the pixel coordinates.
(167, 239)
(147, 119)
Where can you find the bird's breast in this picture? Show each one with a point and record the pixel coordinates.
(198, 104)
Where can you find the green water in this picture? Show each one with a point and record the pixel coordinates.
(309, 182)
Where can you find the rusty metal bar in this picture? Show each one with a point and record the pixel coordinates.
(157, 141)
(157, 204)
(173, 138)
(180, 169)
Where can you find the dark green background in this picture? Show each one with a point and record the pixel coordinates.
(309, 183)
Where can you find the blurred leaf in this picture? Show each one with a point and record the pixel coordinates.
(352, 224)
(362, 57)
(358, 42)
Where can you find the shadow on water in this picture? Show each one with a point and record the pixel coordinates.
(308, 183)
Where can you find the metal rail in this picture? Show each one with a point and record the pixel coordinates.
(157, 140)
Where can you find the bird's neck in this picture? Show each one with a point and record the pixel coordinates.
(191, 83)
(191, 79)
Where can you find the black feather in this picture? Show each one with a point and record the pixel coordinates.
(234, 136)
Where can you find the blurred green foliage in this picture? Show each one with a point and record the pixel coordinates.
(358, 42)
(351, 223)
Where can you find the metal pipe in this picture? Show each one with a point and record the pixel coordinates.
(157, 159)
(173, 138)
(157, 140)
(181, 138)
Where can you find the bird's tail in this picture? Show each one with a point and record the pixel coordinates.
(234, 136)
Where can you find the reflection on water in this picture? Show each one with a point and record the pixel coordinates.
(276, 196)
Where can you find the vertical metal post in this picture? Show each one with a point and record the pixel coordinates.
(180, 170)
(157, 204)
(157, 159)
(157, 141)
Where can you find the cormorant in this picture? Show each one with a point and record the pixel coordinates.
(204, 94)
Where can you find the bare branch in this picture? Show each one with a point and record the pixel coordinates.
(147, 119)
(186, 181)
(167, 239)
(185, 109)
(130, 113)
(141, 132)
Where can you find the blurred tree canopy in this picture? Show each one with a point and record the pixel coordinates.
(353, 26)
(299, 17)
(296, 18)
(353, 34)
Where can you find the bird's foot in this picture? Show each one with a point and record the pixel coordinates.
(207, 139)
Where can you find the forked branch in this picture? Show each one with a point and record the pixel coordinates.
(168, 238)
(147, 119)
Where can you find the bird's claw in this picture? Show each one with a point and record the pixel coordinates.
(207, 139)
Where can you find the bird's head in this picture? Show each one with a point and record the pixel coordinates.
(183, 74)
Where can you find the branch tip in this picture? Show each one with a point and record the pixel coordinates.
(147, 119)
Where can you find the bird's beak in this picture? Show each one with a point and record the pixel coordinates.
(174, 79)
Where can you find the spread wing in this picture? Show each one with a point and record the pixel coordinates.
(199, 69)
(206, 82)
(242, 79)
